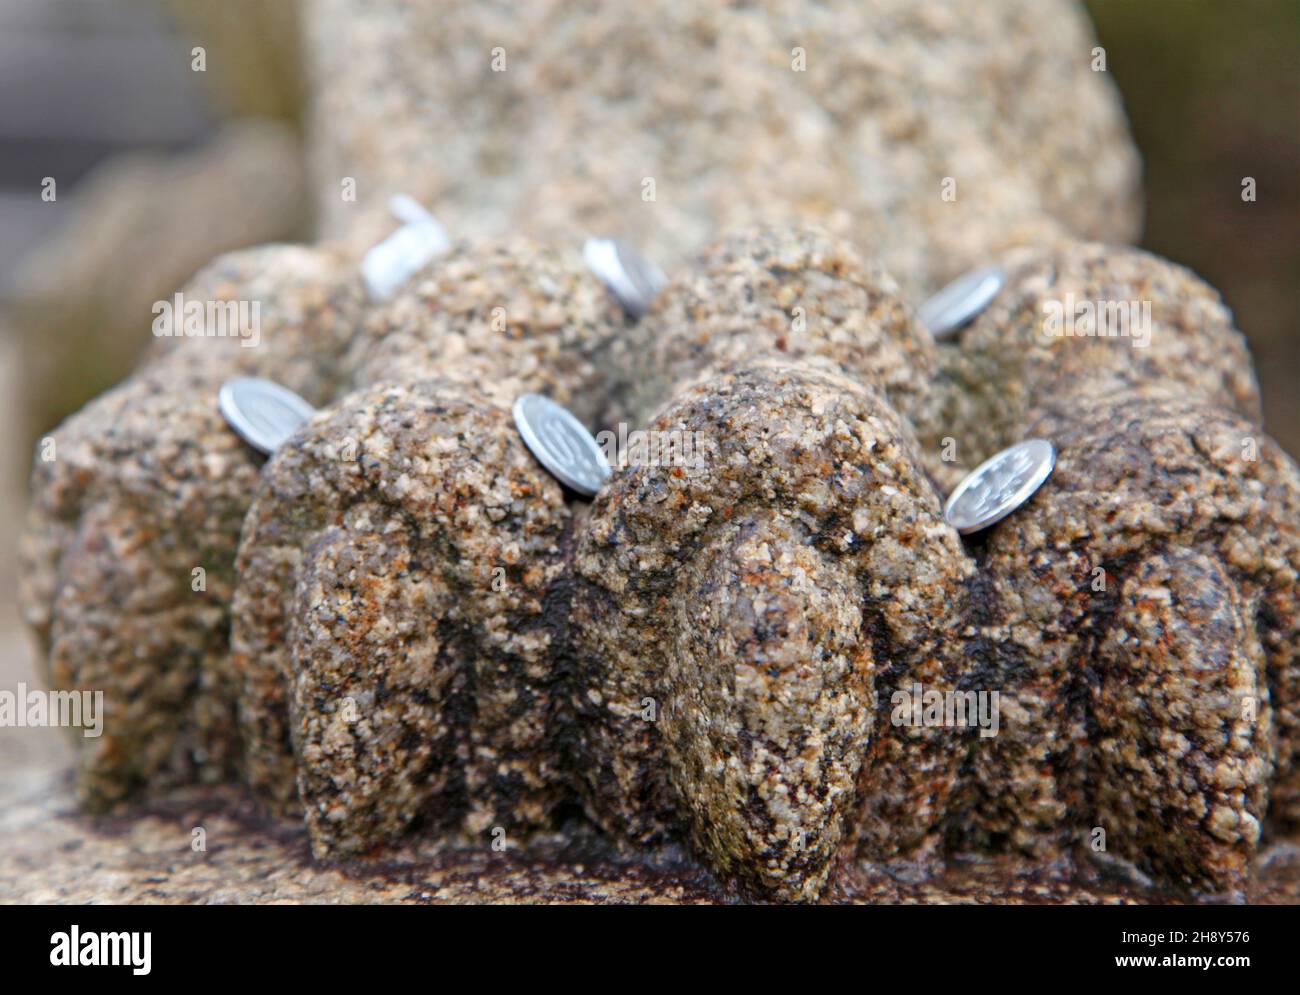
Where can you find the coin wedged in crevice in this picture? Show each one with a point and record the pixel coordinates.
(391, 634)
(723, 596)
(1078, 319)
(648, 664)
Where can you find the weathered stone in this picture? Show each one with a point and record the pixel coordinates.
(390, 626)
(506, 318)
(705, 665)
(131, 538)
(755, 597)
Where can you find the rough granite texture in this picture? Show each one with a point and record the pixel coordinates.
(1009, 363)
(706, 657)
(389, 625)
(743, 595)
(55, 853)
(147, 485)
(414, 640)
(795, 293)
(504, 317)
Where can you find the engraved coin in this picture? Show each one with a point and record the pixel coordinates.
(561, 444)
(1000, 485)
(262, 413)
(960, 301)
(632, 278)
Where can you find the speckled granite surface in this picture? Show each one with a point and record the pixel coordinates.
(54, 853)
(768, 599)
(357, 663)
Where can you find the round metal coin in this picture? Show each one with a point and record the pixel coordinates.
(632, 278)
(561, 444)
(960, 301)
(999, 485)
(263, 413)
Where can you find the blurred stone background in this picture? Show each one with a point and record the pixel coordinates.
(160, 168)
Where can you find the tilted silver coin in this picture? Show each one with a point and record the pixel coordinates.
(420, 240)
(261, 412)
(632, 278)
(999, 485)
(561, 444)
(960, 301)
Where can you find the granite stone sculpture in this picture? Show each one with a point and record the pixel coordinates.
(425, 633)
(402, 630)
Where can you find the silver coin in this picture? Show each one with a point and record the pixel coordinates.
(420, 240)
(632, 278)
(960, 301)
(999, 485)
(262, 413)
(408, 210)
(561, 444)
